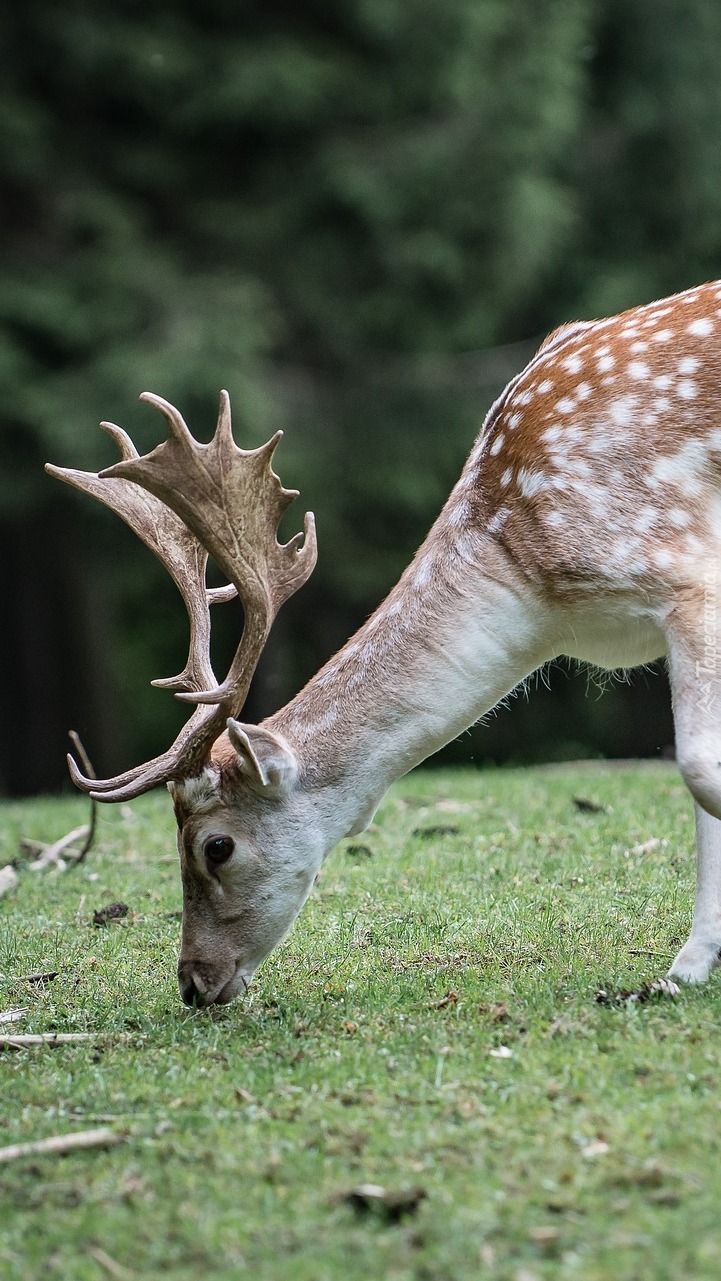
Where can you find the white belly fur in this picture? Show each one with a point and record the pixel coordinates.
(612, 639)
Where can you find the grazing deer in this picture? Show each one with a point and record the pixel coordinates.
(586, 522)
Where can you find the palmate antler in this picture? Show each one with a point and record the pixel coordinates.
(185, 501)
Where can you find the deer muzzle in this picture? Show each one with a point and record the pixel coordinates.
(202, 984)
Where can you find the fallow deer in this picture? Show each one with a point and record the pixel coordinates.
(586, 522)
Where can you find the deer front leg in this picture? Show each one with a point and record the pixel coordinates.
(701, 953)
(695, 669)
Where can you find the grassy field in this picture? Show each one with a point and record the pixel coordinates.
(430, 1026)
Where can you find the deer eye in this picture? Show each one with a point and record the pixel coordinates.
(218, 849)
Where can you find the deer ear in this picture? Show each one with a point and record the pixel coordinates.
(265, 760)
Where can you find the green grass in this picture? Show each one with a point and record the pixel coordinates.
(592, 1151)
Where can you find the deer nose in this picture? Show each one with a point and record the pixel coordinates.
(192, 992)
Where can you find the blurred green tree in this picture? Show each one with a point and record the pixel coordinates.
(358, 218)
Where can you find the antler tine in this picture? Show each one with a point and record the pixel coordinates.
(126, 448)
(174, 545)
(233, 501)
(185, 758)
(187, 500)
(177, 424)
(236, 684)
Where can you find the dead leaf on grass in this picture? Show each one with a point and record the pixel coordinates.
(371, 1198)
(587, 806)
(658, 988)
(450, 998)
(41, 977)
(359, 851)
(113, 912)
(438, 829)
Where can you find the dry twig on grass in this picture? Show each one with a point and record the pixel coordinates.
(71, 849)
(43, 1038)
(60, 1143)
(14, 1016)
(111, 1266)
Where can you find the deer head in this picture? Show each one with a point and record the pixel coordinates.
(244, 880)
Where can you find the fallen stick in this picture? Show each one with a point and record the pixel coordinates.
(111, 1265)
(14, 1016)
(44, 1038)
(65, 853)
(60, 1143)
(47, 855)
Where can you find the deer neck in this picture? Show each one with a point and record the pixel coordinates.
(462, 628)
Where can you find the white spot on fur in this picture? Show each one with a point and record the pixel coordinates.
(578, 465)
(687, 390)
(497, 445)
(597, 445)
(688, 365)
(506, 477)
(678, 518)
(572, 363)
(621, 412)
(645, 518)
(663, 381)
(566, 405)
(701, 327)
(552, 434)
(606, 362)
(514, 420)
(662, 335)
(583, 391)
(545, 386)
(683, 468)
(531, 482)
(638, 370)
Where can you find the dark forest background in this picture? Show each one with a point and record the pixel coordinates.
(359, 216)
